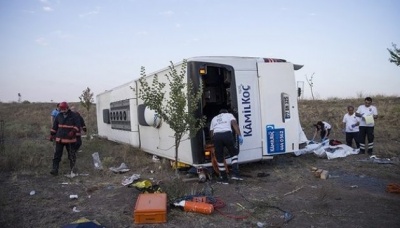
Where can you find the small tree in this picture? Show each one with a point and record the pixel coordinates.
(394, 55)
(179, 110)
(87, 100)
(311, 84)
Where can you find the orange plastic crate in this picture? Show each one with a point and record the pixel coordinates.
(151, 208)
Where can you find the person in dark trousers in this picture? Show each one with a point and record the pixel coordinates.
(324, 128)
(65, 127)
(78, 143)
(350, 127)
(221, 133)
(368, 114)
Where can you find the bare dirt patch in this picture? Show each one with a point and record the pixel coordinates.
(354, 196)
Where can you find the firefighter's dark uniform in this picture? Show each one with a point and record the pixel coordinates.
(64, 130)
(82, 127)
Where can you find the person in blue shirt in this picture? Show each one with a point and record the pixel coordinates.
(54, 113)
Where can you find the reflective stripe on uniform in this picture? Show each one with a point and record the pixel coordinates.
(65, 126)
(60, 140)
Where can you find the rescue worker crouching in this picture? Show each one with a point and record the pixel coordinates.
(64, 130)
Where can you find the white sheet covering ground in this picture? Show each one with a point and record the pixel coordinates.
(324, 150)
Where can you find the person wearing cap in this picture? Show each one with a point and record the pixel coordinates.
(221, 133)
(65, 126)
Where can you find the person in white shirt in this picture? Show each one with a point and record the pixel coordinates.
(350, 127)
(221, 133)
(324, 128)
(368, 114)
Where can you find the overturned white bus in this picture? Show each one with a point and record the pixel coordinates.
(260, 92)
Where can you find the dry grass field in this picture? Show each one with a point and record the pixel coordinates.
(354, 196)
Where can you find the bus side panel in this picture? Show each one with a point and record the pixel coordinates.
(160, 141)
(249, 118)
(121, 93)
(103, 105)
(279, 110)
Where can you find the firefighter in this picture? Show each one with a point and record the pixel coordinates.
(82, 127)
(64, 130)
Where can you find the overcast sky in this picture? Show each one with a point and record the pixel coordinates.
(52, 50)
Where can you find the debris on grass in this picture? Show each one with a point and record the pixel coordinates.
(324, 175)
(123, 168)
(320, 173)
(155, 158)
(72, 175)
(130, 180)
(291, 192)
(261, 224)
(84, 222)
(375, 159)
(96, 161)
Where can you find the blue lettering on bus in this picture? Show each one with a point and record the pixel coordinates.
(246, 103)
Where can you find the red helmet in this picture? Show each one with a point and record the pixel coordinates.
(63, 106)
